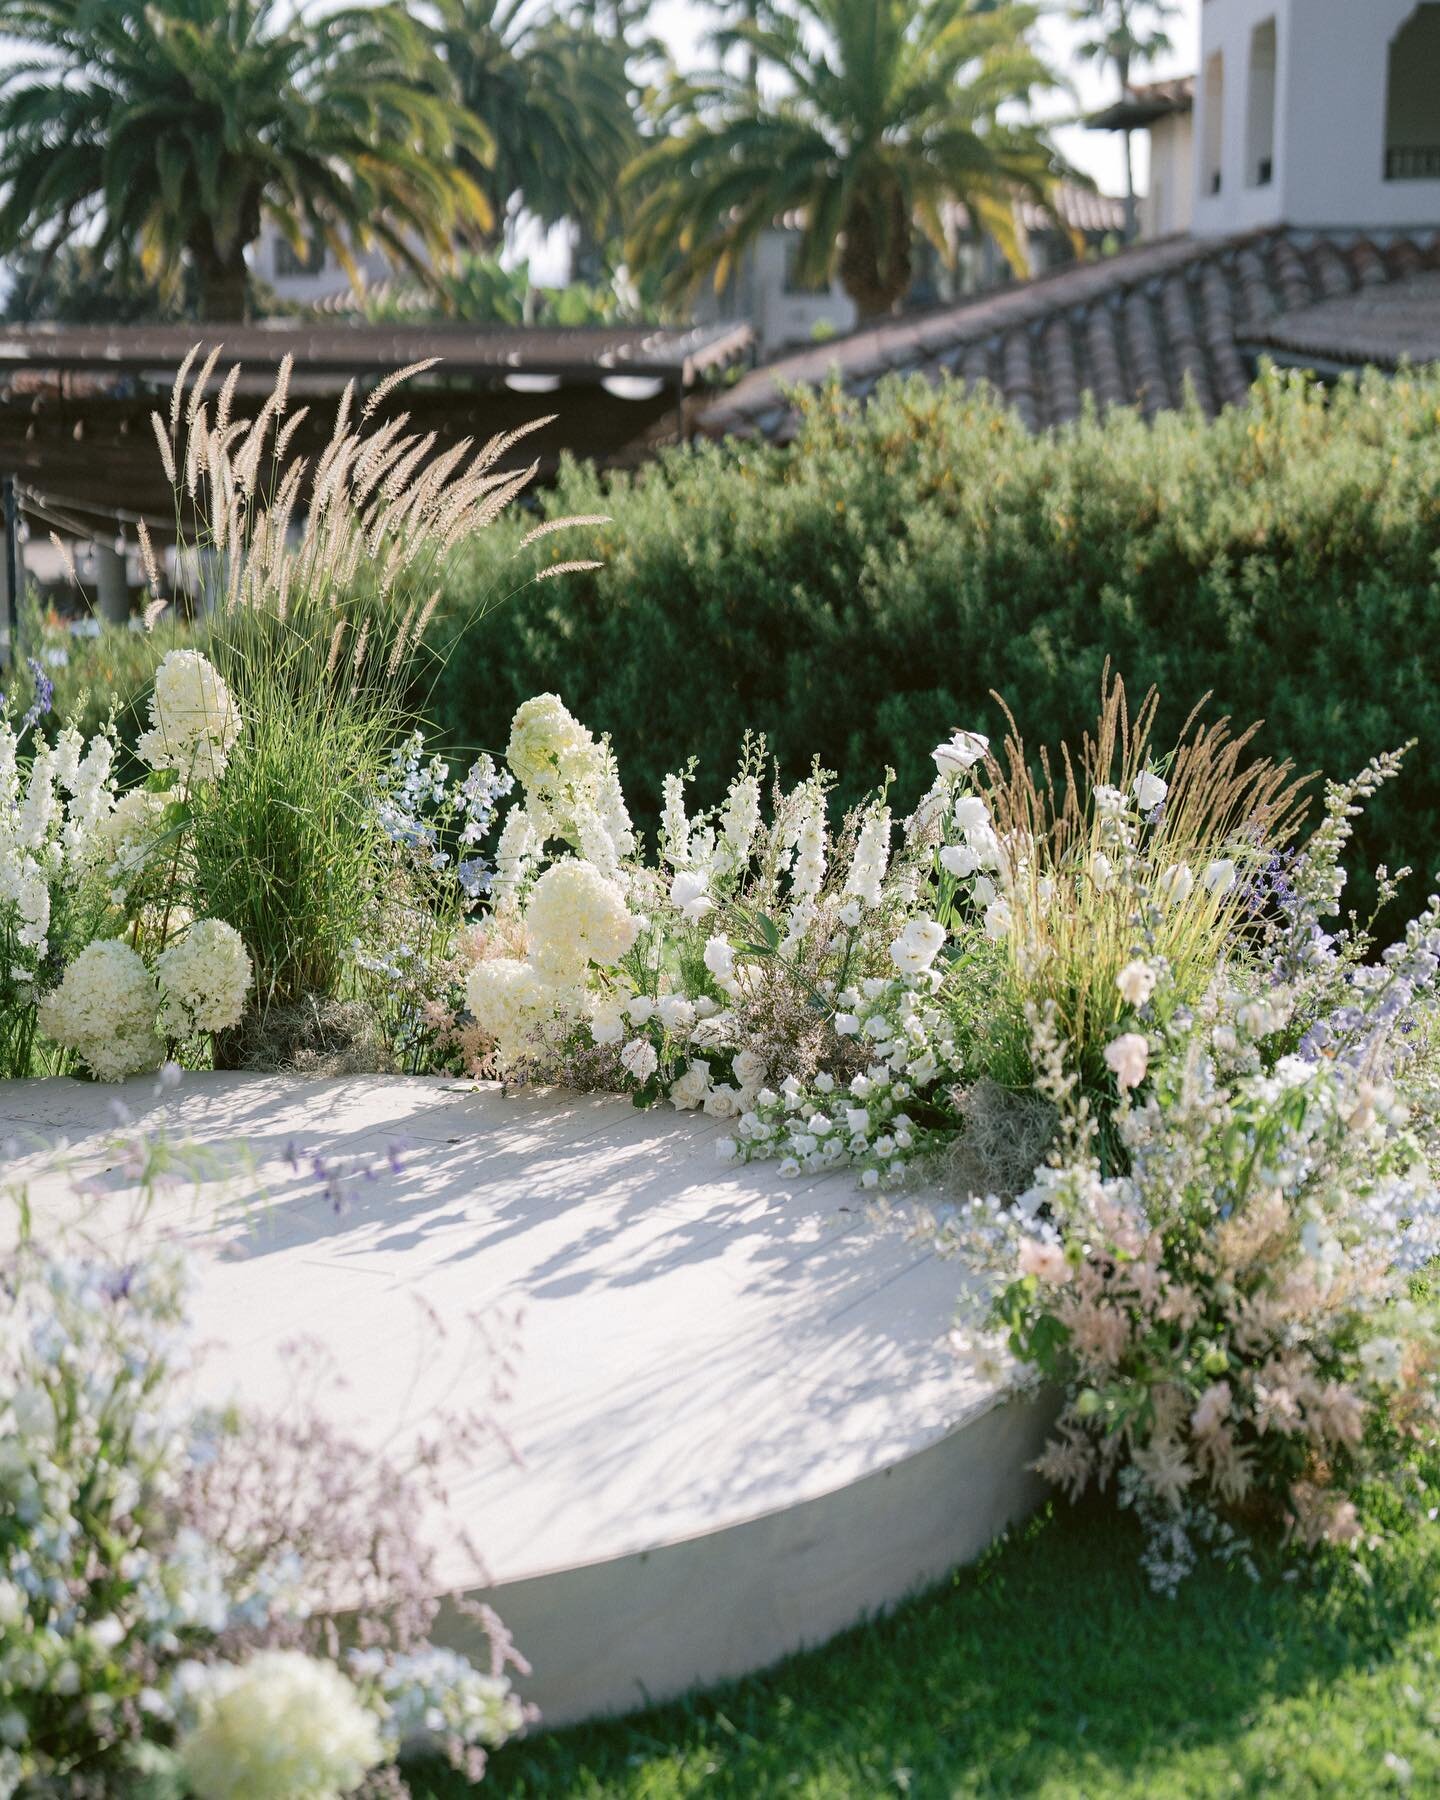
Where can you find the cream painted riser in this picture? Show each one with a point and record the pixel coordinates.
(740, 1427)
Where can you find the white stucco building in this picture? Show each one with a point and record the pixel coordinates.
(1317, 113)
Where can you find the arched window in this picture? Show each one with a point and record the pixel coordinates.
(1412, 99)
(1260, 108)
(1214, 123)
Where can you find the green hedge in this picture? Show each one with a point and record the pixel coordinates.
(861, 593)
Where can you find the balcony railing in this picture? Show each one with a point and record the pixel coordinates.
(1412, 162)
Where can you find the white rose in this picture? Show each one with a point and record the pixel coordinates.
(749, 1068)
(638, 1010)
(691, 1088)
(960, 752)
(1128, 1057)
(723, 1102)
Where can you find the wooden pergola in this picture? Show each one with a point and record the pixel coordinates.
(75, 401)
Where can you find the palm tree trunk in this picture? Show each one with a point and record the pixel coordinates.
(224, 292)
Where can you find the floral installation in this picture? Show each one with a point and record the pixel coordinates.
(168, 1576)
(1232, 1314)
(100, 956)
(1187, 1117)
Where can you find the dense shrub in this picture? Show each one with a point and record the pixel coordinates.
(861, 594)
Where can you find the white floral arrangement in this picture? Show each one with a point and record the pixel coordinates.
(97, 954)
(165, 1575)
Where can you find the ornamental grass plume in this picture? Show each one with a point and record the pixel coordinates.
(1128, 848)
(317, 578)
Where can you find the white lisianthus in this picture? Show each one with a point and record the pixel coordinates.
(690, 895)
(960, 752)
(917, 946)
(1127, 1058)
(1149, 790)
(1176, 885)
(998, 920)
(638, 1058)
(607, 1021)
(205, 977)
(576, 917)
(1220, 875)
(104, 1009)
(1136, 982)
(959, 860)
(282, 1726)
(1102, 871)
(677, 1015)
(194, 721)
(550, 752)
(984, 890)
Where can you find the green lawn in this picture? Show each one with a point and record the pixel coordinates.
(1050, 1670)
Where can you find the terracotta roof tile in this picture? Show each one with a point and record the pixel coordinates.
(1132, 329)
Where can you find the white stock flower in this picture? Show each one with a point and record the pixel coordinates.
(194, 721)
(958, 860)
(872, 858)
(917, 946)
(104, 1009)
(282, 1726)
(959, 752)
(998, 920)
(576, 917)
(677, 1014)
(1127, 1058)
(1136, 982)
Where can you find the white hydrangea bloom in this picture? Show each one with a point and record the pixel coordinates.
(205, 977)
(576, 917)
(510, 1002)
(194, 720)
(281, 1724)
(104, 1009)
(550, 752)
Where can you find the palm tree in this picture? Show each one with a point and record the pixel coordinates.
(1123, 34)
(171, 128)
(869, 118)
(555, 101)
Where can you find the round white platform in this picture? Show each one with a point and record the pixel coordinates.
(736, 1426)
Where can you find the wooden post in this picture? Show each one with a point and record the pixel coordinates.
(11, 644)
